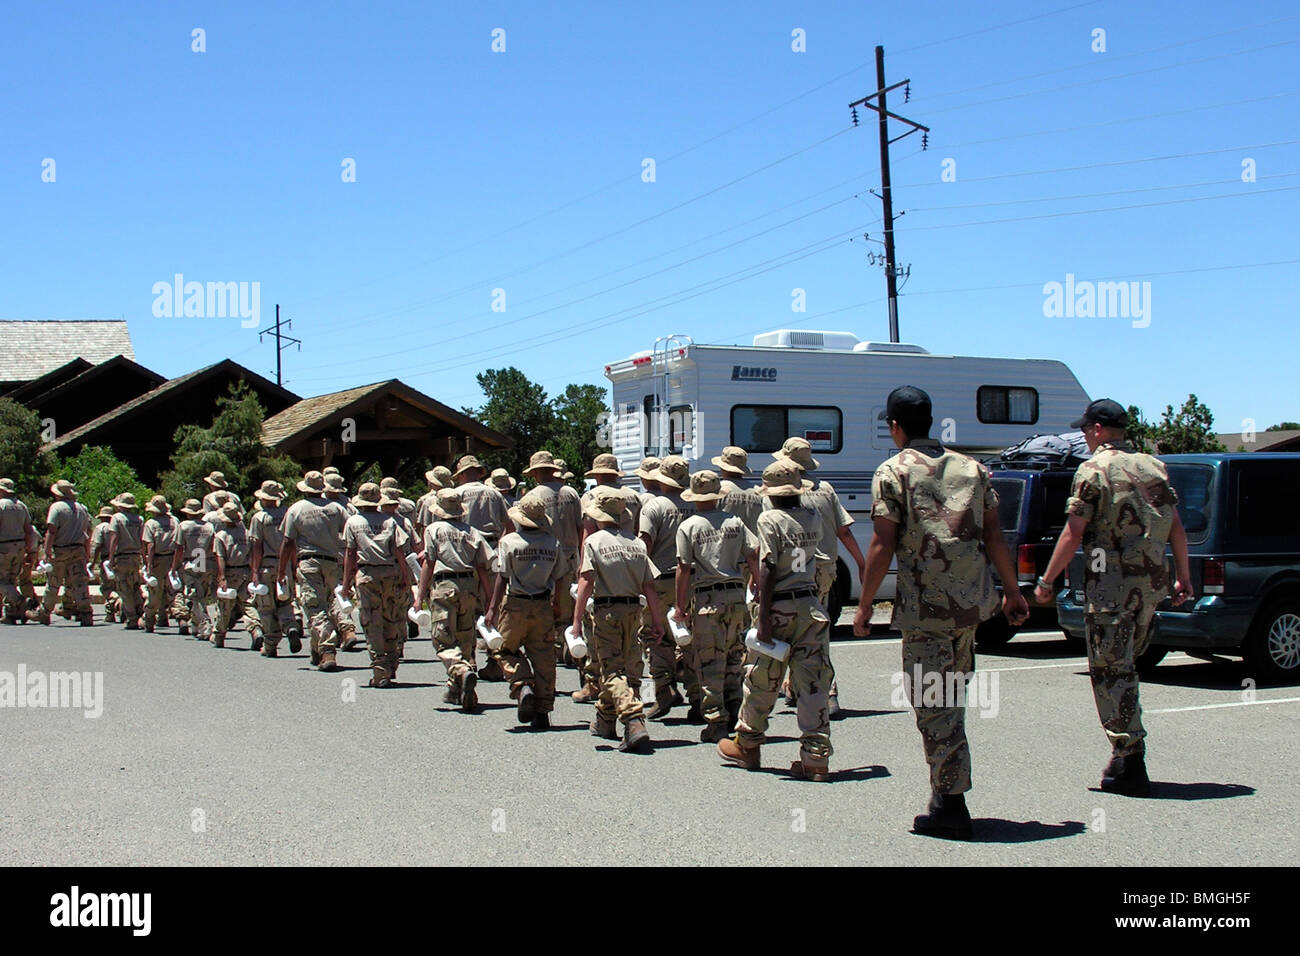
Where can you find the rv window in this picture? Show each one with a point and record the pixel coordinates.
(764, 428)
(680, 428)
(1006, 405)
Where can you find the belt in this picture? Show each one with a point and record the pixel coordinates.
(524, 595)
(126, 554)
(665, 575)
(597, 602)
(452, 575)
(729, 586)
(374, 564)
(12, 540)
(156, 554)
(793, 593)
(312, 556)
(61, 547)
(235, 567)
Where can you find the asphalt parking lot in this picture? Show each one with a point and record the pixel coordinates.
(206, 756)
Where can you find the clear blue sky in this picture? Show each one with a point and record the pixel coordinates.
(522, 170)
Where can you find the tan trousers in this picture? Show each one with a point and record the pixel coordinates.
(664, 654)
(275, 616)
(160, 597)
(12, 554)
(128, 581)
(617, 646)
(526, 624)
(383, 616)
(316, 581)
(717, 651)
(229, 609)
(69, 573)
(454, 608)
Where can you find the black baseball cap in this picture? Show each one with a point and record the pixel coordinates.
(1103, 411)
(904, 400)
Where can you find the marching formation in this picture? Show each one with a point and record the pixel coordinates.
(718, 582)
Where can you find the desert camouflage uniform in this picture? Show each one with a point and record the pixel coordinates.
(1128, 503)
(564, 508)
(98, 555)
(129, 528)
(622, 568)
(457, 552)
(379, 541)
(316, 524)
(70, 522)
(938, 499)
(277, 617)
(198, 574)
(529, 561)
(661, 516)
(14, 519)
(161, 531)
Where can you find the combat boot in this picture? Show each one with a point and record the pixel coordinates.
(218, 640)
(110, 616)
(527, 705)
(350, 640)
(693, 715)
(295, 640)
(315, 658)
(733, 713)
(604, 727)
(714, 732)
(87, 620)
(833, 706)
(43, 617)
(269, 651)
(541, 722)
(636, 739)
(255, 641)
(491, 671)
(468, 694)
(452, 694)
(948, 818)
(148, 626)
(163, 621)
(664, 701)
(328, 662)
(183, 630)
(810, 766)
(132, 625)
(1127, 776)
(587, 695)
(732, 751)
(380, 678)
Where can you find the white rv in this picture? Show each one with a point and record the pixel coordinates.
(829, 387)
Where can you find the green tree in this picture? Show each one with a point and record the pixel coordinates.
(100, 476)
(1284, 427)
(519, 409)
(578, 416)
(22, 459)
(1189, 430)
(232, 445)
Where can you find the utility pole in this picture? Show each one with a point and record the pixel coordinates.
(886, 193)
(282, 342)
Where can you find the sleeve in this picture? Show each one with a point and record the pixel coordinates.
(482, 549)
(990, 496)
(749, 544)
(587, 564)
(769, 539)
(646, 573)
(430, 544)
(647, 523)
(400, 538)
(148, 535)
(685, 550)
(505, 556)
(52, 517)
(350, 535)
(219, 546)
(291, 523)
(557, 567)
(1085, 493)
(887, 495)
(842, 517)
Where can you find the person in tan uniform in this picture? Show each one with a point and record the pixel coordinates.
(219, 492)
(15, 527)
(661, 516)
(788, 611)
(98, 555)
(390, 503)
(336, 490)
(375, 559)
(67, 549)
(277, 616)
(159, 543)
(124, 542)
(529, 562)
(714, 551)
(485, 509)
(456, 561)
(616, 570)
(234, 573)
(438, 477)
(738, 495)
(564, 508)
(502, 482)
(405, 506)
(196, 563)
(313, 530)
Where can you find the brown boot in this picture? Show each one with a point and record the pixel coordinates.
(812, 767)
(328, 661)
(380, 678)
(604, 727)
(664, 700)
(733, 752)
(350, 640)
(714, 732)
(587, 695)
(636, 739)
(269, 651)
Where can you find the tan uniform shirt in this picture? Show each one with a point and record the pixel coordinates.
(377, 537)
(160, 530)
(826, 502)
(661, 516)
(70, 521)
(458, 547)
(266, 526)
(622, 567)
(530, 561)
(129, 529)
(316, 524)
(196, 534)
(717, 545)
(485, 509)
(232, 546)
(743, 502)
(14, 518)
(210, 500)
(99, 542)
(564, 508)
(788, 540)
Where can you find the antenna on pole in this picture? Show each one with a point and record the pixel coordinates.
(282, 342)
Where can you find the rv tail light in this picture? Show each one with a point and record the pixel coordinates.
(1213, 576)
(1026, 570)
(642, 361)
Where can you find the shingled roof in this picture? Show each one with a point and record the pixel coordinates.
(29, 349)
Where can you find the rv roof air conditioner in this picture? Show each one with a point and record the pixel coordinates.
(806, 339)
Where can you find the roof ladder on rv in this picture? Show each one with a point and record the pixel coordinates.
(660, 427)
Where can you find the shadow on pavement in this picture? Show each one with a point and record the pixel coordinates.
(1168, 790)
(553, 729)
(995, 830)
(1032, 650)
(1220, 674)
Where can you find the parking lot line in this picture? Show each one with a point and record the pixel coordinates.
(1235, 703)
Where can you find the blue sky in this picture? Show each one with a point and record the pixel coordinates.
(522, 171)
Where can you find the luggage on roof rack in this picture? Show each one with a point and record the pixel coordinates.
(1067, 450)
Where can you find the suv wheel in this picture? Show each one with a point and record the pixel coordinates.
(995, 632)
(1272, 648)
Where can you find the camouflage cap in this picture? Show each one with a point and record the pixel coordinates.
(673, 472)
(798, 451)
(467, 463)
(502, 481)
(231, 513)
(63, 489)
(390, 497)
(158, 505)
(7, 486)
(313, 483)
(449, 504)
(530, 512)
(367, 496)
(125, 501)
(388, 483)
(330, 470)
(334, 483)
(605, 464)
(270, 491)
(783, 477)
(192, 507)
(217, 480)
(705, 486)
(648, 468)
(431, 476)
(107, 512)
(733, 459)
(542, 461)
(606, 505)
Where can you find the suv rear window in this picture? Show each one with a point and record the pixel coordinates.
(1259, 499)
(1192, 485)
(1011, 492)
(1056, 492)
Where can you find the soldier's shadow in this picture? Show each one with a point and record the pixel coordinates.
(1168, 790)
(996, 830)
(848, 775)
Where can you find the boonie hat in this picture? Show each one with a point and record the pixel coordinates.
(733, 459)
(605, 464)
(783, 477)
(530, 512)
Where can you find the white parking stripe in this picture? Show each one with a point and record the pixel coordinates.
(1237, 703)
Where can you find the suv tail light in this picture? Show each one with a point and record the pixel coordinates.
(1213, 576)
(1026, 570)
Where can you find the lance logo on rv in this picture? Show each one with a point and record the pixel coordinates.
(751, 373)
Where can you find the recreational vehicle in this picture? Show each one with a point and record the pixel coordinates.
(829, 387)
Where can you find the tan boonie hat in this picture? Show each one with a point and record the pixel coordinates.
(388, 483)
(705, 486)
(270, 491)
(783, 477)
(606, 464)
(191, 507)
(673, 472)
(563, 466)
(330, 470)
(63, 489)
(798, 451)
(466, 463)
(367, 496)
(649, 466)
(231, 513)
(334, 482)
(105, 512)
(449, 504)
(502, 481)
(313, 483)
(216, 480)
(125, 500)
(390, 496)
(158, 505)
(733, 459)
(530, 512)
(431, 476)
(606, 505)
(7, 486)
(542, 461)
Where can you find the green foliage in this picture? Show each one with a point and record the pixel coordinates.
(100, 476)
(232, 445)
(21, 457)
(1189, 430)
(1284, 427)
(578, 415)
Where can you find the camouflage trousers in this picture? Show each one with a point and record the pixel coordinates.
(664, 653)
(197, 592)
(802, 623)
(942, 727)
(383, 616)
(129, 583)
(527, 625)
(12, 555)
(717, 651)
(564, 617)
(316, 581)
(106, 589)
(1115, 641)
(615, 640)
(453, 607)
(276, 617)
(160, 598)
(69, 574)
(241, 605)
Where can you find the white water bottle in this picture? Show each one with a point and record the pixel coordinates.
(413, 563)
(173, 580)
(344, 604)
(258, 590)
(281, 590)
(492, 638)
(90, 570)
(420, 618)
(577, 646)
(573, 590)
(749, 595)
(151, 581)
(679, 630)
(108, 572)
(44, 567)
(779, 650)
(226, 594)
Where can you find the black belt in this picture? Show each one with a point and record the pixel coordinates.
(156, 554)
(729, 586)
(12, 540)
(235, 567)
(794, 593)
(62, 547)
(126, 554)
(665, 575)
(452, 575)
(317, 557)
(374, 564)
(597, 602)
(540, 595)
